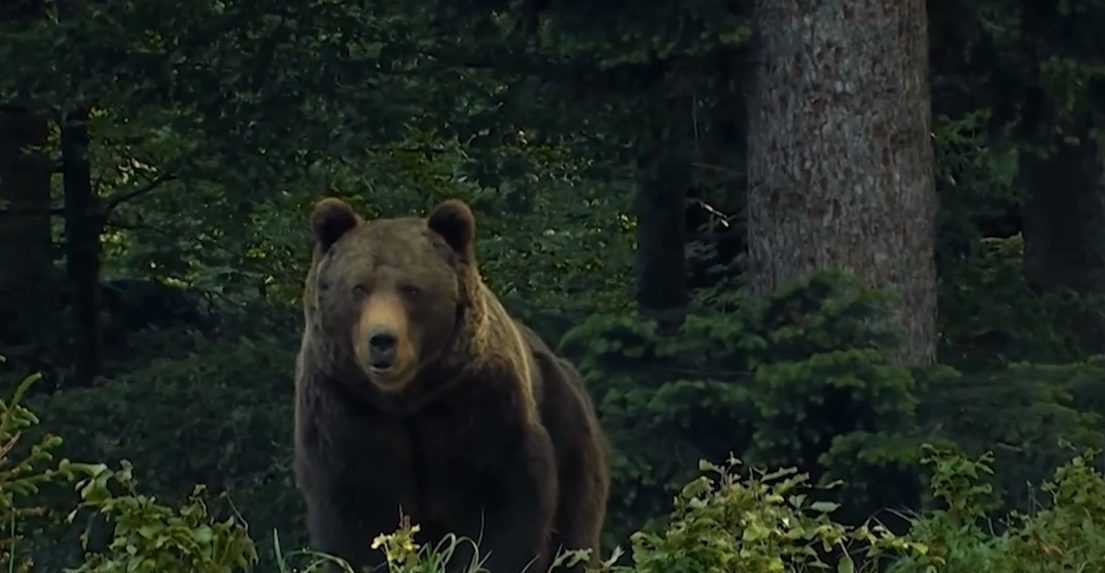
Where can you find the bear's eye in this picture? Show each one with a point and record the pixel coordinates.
(410, 290)
(359, 290)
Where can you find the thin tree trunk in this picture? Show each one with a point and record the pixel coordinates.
(1064, 216)
(27, 281)
(83, 225)
(1063, 175)
(664, 174)
(82, 241)
(840, 155)
(26, 272)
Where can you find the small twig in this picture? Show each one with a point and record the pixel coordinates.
(136, 227)
(9, 212)
(6, 448)
(119, 198)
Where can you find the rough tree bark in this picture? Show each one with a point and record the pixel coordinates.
(840, 155)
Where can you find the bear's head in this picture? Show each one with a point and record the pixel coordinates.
(387, 297)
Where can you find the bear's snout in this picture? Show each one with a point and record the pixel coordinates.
(382, 342)
(381, 348)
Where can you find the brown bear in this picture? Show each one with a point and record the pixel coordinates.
(417, 393)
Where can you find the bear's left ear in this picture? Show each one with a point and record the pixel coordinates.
(330, 220)
(454, 221)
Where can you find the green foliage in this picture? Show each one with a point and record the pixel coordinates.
(22, 475)
(1027, 411)
(405, 555)
(242, 113)
(763, 523)
(798, 378)
(996, 318)
(769, 522)
(976, 179)
(749, 520)
(151, 537)
(803, 404)
(802, 378)
(955, 482)
(219, 415)
(1068, 534)
(1012, 83)
(147, 536)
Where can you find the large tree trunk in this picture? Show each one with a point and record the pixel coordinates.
(840, 155)
(83, 224)
(26, 275)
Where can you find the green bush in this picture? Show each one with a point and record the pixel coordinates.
(1026, 412)
(152, 537)
(781, 381)
(802, 378)
(731, 519)
(145, 536)
(763, 523)
(991, 317)
(770, 522)
(220, 416)
(798, 379)
(1066, 534)
(738, 519)
(22, 475)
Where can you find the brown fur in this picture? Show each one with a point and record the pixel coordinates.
(478, 428)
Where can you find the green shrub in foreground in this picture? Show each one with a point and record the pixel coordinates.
(152, 537)
(754, 521)
(1067, 534)
(21, 475)
(144, 536)
(219, 416)
(766, 522)
(801, 377)
(730, 520)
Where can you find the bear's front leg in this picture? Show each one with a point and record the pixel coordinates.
(356, 476)
(521, 507)
(339, 532)
(346, 517)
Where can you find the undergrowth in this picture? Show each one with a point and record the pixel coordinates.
(731, 518)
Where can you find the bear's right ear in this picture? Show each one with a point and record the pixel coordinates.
(330, 220)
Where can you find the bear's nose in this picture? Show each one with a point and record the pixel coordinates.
(382, 341)
(381, 346)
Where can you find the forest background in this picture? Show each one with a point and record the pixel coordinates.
(629, 167)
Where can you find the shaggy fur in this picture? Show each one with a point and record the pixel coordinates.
(484, 432)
